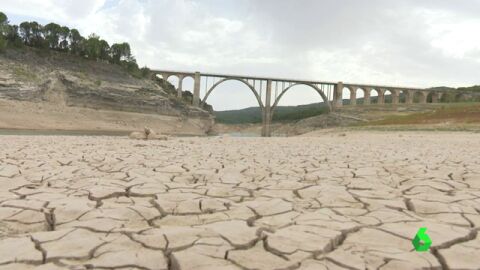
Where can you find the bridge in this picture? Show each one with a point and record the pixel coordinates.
(269, 91)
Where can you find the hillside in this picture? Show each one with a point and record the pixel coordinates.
(281, 114)
(52, 90)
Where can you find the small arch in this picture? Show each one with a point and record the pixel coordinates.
(418, 97)
(174, 80)
(360, 94)
(257, 96)
(375, 96)
(388, 97)
(432, 97)
(402, 96)
(346, 96)
(319, 91)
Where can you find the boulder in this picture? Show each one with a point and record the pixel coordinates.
(136, 135)
(147, 134)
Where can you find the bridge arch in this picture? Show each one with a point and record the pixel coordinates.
(319, 91)
(388, 96)
(376, 96)
(257, 96)
(361, 94)
(420, 97)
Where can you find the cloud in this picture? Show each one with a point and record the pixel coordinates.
(418, 43)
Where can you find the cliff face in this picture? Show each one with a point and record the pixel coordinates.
(73, 81)
(66, 81)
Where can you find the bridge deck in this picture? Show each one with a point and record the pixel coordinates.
(287, 80)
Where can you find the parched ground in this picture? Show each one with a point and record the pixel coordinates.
(337, 201)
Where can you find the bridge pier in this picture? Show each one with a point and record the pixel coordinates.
(366, 98)
(196, 89)
(353, 96)
(338, 95)
(408, 97)
(381, 96)
(423, 97)
(395, 96)
(267, 111)
(180, 86)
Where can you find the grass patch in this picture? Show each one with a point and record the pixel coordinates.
(467, 113)
(24, 74)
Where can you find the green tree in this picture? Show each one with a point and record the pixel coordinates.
(145, 71)
(38, 39)
(26, 32)
(64, 33)
(3, 43)
(3, 24)
(13, 36)
(76, 42)
(32, 34)
(121, 52)
(104, 50)
(51, 32)
(3, 31)
(93, 47)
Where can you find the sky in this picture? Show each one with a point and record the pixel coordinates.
(418, 43)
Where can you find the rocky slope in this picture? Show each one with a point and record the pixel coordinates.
(39, 84)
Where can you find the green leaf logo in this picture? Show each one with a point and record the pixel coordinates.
(422, 241)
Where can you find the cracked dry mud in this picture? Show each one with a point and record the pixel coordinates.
(327, 202)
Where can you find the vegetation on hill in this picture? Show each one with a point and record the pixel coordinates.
(467, 113)
(281, 114)
(475, 88)
(63, 39)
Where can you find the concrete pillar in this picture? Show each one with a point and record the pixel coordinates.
(165, 76)
(423, 97)
(180, 86)
(381, 96)
(409, 96)
(338, 96)
(395, 96)
(353, 96)
(366, 98)
(267, 111)
(196, 90)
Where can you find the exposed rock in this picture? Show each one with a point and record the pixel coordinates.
(67, 81)
(147, 134)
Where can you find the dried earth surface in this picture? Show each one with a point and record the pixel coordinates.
(335, 201)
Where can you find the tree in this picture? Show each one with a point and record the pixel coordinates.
(38, 39)
(13, 36)
(26, 32)
(104, 50)
(3, 23)
(51, 32)
(121, 52)
(63, 35)
(145, 72)
(32, 34)
(76, 42)
(3, 31)
(93, 47)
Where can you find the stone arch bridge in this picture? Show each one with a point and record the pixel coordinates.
(269, 91)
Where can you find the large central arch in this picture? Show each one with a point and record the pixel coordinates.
(319, 91)
(257, 96)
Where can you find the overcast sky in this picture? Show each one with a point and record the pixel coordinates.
(404, 42)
